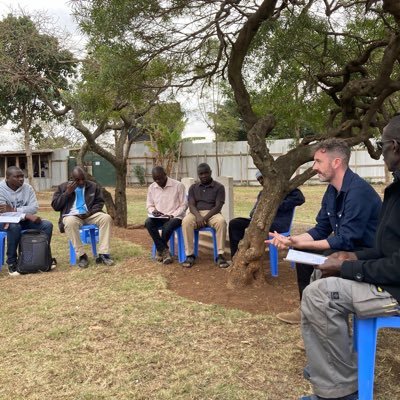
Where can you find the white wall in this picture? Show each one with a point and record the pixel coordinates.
(235, 161)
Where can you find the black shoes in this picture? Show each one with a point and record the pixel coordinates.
(166, 257)
(12, 270)
(104, 259)
(83, 261)
(221, 262)
(101, 259)
(159, 256)
(188, 263)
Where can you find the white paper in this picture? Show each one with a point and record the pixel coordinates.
(150, 215)
(71, 214)
(11, 217)
(304, 257)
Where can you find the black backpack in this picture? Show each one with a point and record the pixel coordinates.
(34, 252)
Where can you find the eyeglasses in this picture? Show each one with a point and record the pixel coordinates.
(380, 143)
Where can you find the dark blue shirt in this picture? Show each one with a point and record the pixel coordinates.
(351, 215)
(284, 214)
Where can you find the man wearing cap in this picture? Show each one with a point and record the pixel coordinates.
(281, 223)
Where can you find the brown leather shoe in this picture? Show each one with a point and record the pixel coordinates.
(291, 317)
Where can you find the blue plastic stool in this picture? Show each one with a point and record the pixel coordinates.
(214, 237)
(88, 234)
(181, 245)
(273, 252)
(364, 335)
(3, 236)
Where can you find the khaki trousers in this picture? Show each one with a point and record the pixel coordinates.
(325, 308)
(102, 220)
(217, 222)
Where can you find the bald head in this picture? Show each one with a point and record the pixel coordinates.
(79, 175)
(13, 170)
(159, 176)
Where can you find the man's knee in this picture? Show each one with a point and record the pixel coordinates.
(219, 222)
(14, 229)
(47, 225)
(72, 222)
(105, 219)
(188, 221)
(234, 224)
(148, 223)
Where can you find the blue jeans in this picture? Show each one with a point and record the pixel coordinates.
(14, 235)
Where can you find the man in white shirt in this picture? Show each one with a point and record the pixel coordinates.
(166, 206)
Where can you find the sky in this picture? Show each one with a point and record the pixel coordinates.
(60, 12)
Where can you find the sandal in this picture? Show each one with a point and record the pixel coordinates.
(188, 263)
(221, 262)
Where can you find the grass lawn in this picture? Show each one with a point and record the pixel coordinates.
(120, 333)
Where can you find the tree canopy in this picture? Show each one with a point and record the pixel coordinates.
(318, 68)
(26, 53)
(325, 68)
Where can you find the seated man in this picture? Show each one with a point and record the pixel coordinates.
(364, 282)
(346, 221)
(17, 196)
(281, 223)
(80, 202)
(166, 205)
(206, 199)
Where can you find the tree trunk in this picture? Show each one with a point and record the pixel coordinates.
(121, 214)
(109, 202)
(29, 161)
(247, 267)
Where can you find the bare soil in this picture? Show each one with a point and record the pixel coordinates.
(206, 283)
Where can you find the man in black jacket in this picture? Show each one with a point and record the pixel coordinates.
(365, 283)
(80, 203)
(282, 220)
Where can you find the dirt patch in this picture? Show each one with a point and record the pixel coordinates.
(206, 283)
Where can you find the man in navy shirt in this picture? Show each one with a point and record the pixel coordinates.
(282, 220)
(346, 221)
(365, 283)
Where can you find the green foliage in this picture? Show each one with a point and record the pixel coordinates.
(27, 54)
(139, 172)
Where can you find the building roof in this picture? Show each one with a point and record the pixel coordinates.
(22, 152)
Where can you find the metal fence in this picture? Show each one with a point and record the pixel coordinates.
(233, 159)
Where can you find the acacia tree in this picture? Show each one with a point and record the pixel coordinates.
(114, 96)
(357, 71)
(109, 95)
(23, 50)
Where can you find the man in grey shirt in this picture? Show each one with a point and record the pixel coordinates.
(206, 199)
(17, 196)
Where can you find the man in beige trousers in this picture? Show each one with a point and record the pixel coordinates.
(206, 199)
(80, 203)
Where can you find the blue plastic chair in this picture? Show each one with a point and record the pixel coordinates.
(181, 245)
(3, 236)
(364, 335)
(88, 234)
(214, 237)
(273, 252)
